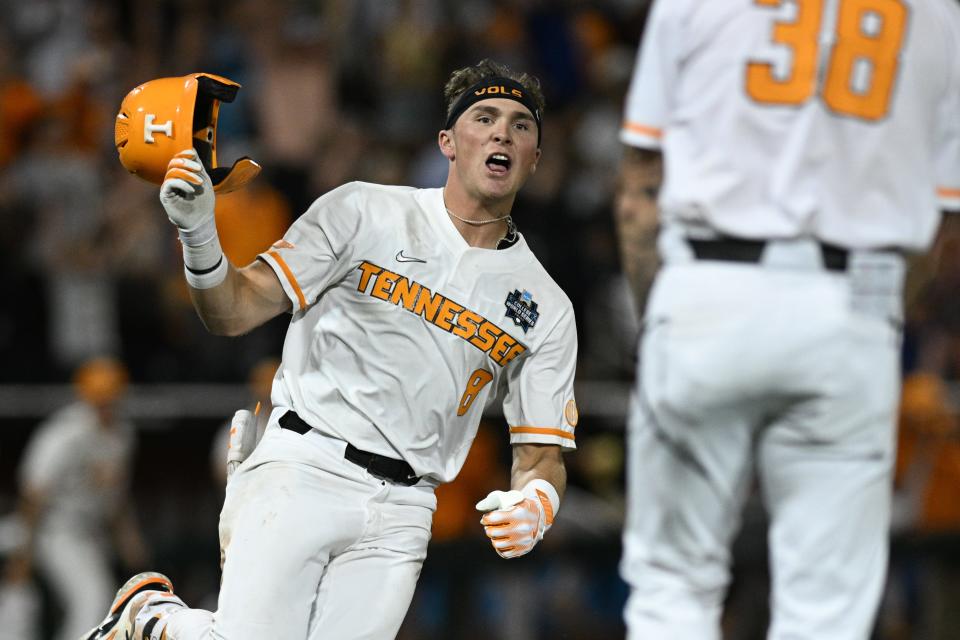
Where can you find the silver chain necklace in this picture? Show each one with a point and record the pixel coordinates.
(477, 223)
(511, 236)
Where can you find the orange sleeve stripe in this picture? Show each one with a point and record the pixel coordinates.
(543, 431)
(290, 278)
(943, 192)
(643, 129)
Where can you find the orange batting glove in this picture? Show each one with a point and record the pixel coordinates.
(515, 521)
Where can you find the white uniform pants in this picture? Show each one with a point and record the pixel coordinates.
(76, 565)
(789, 372)
(20, 611)
(316, 548)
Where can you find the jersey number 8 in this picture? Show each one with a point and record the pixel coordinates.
(477, 381)
(862, 65)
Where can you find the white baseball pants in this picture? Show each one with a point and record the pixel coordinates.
(76, 565)
(791, 373)
(315, 547)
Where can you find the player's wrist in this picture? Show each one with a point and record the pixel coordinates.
(206, 278)
(545, 496)
(199, 234)
(205, 265)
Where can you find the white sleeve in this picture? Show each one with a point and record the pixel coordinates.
(651, 92)
(539, 406)
(46, 455)
(317, 250)
(948, 139)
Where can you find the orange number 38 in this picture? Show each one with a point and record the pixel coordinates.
(862, 65)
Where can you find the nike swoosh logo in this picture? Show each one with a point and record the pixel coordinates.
(403, 258)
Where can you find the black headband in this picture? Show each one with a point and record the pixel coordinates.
(494, 87)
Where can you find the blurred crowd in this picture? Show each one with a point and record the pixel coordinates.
(340, 90)
(333, 91)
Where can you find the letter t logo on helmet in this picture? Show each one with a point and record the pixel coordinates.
(162, 117)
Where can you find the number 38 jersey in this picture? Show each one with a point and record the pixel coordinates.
(837, 119)
(401, 332)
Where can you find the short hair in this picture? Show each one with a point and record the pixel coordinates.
(462, 79)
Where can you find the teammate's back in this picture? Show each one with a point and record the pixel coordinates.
(806, 145)
(814, 117)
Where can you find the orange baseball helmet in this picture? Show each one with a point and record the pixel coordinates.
(162, 117)
(100, 380)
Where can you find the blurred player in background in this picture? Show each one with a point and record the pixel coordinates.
(74, 478)
(411, 310)
(807, 147)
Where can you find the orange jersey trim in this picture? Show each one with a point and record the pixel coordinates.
(943, 192)
(543, 431)
(293, 281)
(643, 129)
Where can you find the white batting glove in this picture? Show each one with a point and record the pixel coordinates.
(187, 195)
(515, 521)
(243, 438)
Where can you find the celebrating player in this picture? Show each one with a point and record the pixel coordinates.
(75, 496)
(411, 310)
(807, 147)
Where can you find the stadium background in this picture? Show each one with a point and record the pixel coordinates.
(338, 90)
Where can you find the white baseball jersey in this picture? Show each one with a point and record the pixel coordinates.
(401, 332)
(82, 468)
(836, 120)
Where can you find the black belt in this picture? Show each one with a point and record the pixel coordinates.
(741, 250)
(396, 471)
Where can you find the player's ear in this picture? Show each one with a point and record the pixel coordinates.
(536, 159)
(447, 147)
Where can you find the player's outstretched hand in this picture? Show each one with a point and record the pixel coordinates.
(513, 521)
(187, 192)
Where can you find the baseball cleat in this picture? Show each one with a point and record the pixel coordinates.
(140, 583)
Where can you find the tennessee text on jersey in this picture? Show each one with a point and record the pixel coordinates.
(440, 311)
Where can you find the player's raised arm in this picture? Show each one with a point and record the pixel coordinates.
(516, 520)
(230, 301)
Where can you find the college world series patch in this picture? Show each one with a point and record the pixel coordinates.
(522, 309)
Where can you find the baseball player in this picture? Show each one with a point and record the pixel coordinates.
(74, 496)
(807, 146)
(411, 310)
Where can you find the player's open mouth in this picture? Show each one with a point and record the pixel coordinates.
(498, 163)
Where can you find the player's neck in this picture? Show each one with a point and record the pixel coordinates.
(481, 225)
